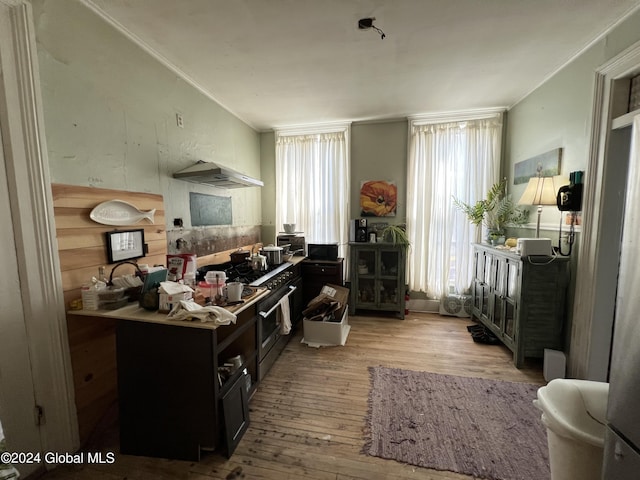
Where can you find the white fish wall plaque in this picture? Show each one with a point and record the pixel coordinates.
(119, 212)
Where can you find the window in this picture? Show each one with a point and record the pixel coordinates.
(450, 158)
(312, 183)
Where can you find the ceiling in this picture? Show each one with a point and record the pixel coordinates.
(275, 63)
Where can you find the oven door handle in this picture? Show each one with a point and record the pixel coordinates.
(291, 290)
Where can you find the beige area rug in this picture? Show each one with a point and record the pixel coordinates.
(485, 428)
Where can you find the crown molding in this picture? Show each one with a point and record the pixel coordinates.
(456, 116)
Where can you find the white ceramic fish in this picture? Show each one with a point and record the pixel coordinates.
(119, 212)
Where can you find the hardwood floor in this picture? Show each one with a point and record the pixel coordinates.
(307, 416)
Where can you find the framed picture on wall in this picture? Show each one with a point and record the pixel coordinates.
(125, 245)
(543, 165)
(378, 198)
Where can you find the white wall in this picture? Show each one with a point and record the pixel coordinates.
(378, 152)
(110, 116)
(559, 114)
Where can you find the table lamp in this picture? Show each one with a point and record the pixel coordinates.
(542, 191)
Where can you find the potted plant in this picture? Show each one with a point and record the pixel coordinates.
(396, 234)
(496, 212)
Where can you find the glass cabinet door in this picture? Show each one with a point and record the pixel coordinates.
(366, 265)
(511, 294)
(510, 320)
(498, 287)
(498, 311)
(388, 292)
(477, 295)
(377, 277)
(513, 278)
(479, 265)
(388, 288)
(389, 263)
(484, 300)
(487, 270)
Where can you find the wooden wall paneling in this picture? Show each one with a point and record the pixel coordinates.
(76, 196)
(73, 238)
(82, 250)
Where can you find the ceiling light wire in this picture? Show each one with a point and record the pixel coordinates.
(367, 23)
(382, 35)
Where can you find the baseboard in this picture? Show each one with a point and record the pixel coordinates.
(423, 305)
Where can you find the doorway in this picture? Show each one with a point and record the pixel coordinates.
(36, 390)
(596, 281)
(17, 396)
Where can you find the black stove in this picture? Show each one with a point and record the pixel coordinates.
(273, 277)
(283, 281)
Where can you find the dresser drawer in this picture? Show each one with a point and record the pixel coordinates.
(317, 273)
(321, 269)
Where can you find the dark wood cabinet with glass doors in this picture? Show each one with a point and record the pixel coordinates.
(377, 272)
(522, 300)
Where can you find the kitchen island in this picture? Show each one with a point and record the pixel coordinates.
(176, 397)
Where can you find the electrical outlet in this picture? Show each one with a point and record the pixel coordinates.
(179, 120)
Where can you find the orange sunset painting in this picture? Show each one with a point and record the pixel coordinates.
(378, 198)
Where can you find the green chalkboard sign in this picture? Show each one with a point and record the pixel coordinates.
(209, 209)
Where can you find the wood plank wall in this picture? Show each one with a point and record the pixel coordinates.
(82, 250)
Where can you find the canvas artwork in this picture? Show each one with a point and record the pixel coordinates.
(543, 165)
(378, 198)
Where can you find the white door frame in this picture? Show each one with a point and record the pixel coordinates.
(596, 278)
(34, 228)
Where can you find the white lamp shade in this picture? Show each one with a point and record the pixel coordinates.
(542, 190)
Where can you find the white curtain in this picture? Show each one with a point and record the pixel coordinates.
(455, 159)
(312, 185)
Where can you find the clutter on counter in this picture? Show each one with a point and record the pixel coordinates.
(205, 316)
(102, 293)
(172, 293)
(213, 301)
(190, 310)
(182, 266)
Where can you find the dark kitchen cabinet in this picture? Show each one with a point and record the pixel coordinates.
(317, 273)
(172, 383)
(377, 272)
(235, 408)
(522, 300)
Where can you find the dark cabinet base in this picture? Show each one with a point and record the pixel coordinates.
(522, 300)
(235, 408)
(170, 393)
(317, 273)
(166, 390)
(377, 272)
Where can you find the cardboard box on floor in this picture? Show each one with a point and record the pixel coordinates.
(322, 332)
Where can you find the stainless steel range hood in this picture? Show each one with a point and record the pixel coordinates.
(207, 173)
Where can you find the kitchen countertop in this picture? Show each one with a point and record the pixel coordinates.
(135, 312)
(296, 259)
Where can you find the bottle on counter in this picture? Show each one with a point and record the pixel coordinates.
(190, 279)
(102, 277)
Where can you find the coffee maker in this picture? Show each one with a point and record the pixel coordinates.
(359, 229)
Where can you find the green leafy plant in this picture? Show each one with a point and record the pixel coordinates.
(396, 234)
(496, 212)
